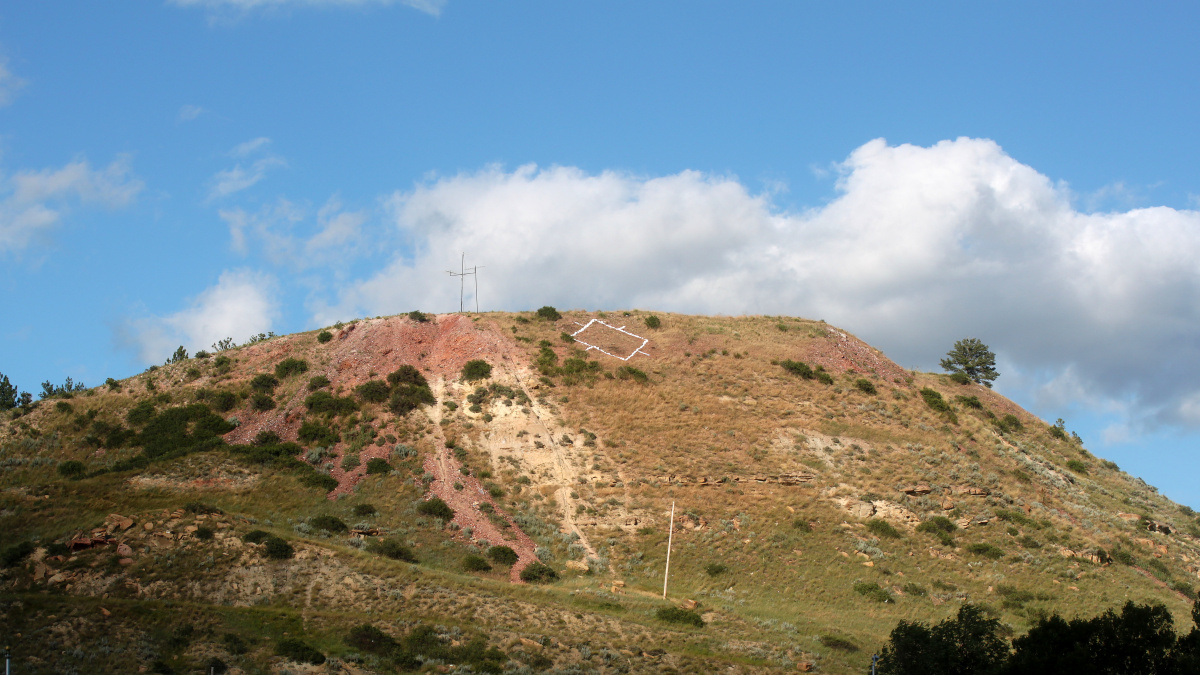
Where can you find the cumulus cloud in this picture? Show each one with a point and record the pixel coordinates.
(431, 7)
(920, 246)
(242, 303)
(35, 201)
(229, 181)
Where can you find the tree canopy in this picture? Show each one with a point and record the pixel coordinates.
(972, 358)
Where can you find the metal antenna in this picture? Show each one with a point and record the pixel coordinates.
(462, 275)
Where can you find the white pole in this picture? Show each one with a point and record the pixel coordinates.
(670, 535)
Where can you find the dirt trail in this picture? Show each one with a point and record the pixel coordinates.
(466, 501)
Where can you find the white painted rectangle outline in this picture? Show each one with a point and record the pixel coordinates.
(645, 341)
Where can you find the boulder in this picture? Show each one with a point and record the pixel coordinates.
(124, 550)
(914, 490)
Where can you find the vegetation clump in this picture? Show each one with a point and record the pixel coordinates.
(324, 336)
(436, 508)
(872, 591)
(378, 465)
(295, 649)
(475, 563)
(882, 529)
(681, 616)
(328, 523)
(476, 369)
(536, 573)
(502, 555)
(548, 313)
(973, 359)
(290, 366)
(865, 386)
(391, 548)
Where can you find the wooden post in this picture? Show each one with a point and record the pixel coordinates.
(670, 535)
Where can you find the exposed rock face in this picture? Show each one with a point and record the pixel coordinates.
(781, 479)
(915, 490)
(970, 490)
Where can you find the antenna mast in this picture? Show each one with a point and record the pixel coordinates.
(670, 535)
(462, 275)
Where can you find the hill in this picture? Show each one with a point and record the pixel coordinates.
(274, 503)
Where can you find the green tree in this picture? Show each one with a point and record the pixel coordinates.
(8, 393)
(968, 644)
(972, 358)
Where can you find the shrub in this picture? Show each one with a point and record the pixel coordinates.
(324, 336)
(1077, 466)
(408, 397)
(378, 465)
(256, 536)
(536, 572)
(373, 391)
(435, 507)
(364, 510)
(802, 525)
(204, 533)
(631, 373)
(933, 399)
(200, 508)
(1009, 423)
(267, 437)
(882, 529)
(295, 649)
(652, 322)
(312, 431)
(715, 569)
(937, 524)
(141, 413)
(368, 638)
(502, 555)
(548, 313)
(969, 402)
(14, 554)
(261, 402)
(798, 368)
(222, 364)
(475, 563)
(289, 367)
(264, 382)
(872, 591)
(326, 403)
(314, 478)
(318, 382)
(839, 643)
(865, 386)
(72, 469)
(915, 589)
(960, 378)
(223, 401)
(677, 615)
(278, 549)
(390, 548)
(986, 550)
(477, 369)
(328, 524)
(418, 316)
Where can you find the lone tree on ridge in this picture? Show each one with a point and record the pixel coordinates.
(972, 358)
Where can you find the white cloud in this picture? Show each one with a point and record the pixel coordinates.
(37, 200)
(278, 231)
(188, 113)
(229, 181)
(431, 7)
(10, 84)
(240, 305)
(922, 246)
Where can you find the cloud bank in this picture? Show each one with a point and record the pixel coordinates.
(431, 7)
(920, 246)
(242, 303)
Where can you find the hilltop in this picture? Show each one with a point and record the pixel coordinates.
(495, 489)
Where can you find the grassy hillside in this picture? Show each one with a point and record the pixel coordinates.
(242, 507)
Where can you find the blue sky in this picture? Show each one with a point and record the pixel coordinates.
(175, 172)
